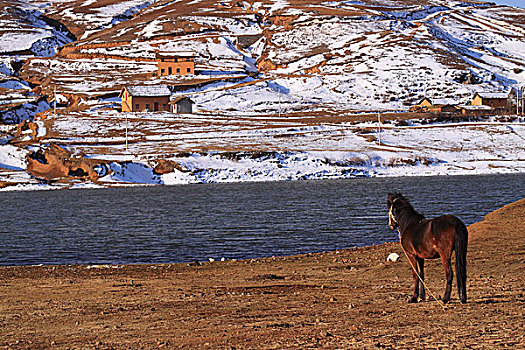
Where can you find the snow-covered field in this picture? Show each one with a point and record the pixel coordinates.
(346, 151)
(273, 152)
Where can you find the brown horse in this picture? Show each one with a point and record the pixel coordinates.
(429, 239)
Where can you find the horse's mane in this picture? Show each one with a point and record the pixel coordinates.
(406, 215)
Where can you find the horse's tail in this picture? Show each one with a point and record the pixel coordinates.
(460, 246)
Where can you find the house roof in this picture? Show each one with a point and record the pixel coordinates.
(423, 100)
(444, 101)
(476, 107)
(175, 54)
(148, 90)
(492, 95)
(180, 98)
(438, 101)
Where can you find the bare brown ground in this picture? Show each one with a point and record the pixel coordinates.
(337, 300)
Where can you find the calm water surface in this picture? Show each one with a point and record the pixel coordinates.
(242, 220)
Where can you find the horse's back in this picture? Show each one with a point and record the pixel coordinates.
(444, 228)
(448, 220)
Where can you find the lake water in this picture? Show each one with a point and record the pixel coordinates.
(235, 221)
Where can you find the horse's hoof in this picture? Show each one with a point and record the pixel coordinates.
(444, 300)
(412, 300)
(463, 301)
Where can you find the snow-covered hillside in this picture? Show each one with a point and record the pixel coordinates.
(286, 77)
(25, 30)
(348, 56)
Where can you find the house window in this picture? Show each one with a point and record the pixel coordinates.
(162, 71)
(178, 70)
(170, 71)
(137, 107)
(188, 70)
(147, 106)
(176, 60)
(164, 107)
(162, 59)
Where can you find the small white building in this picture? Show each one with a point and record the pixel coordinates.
(182, 105)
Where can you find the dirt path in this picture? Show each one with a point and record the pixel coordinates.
(337, 300)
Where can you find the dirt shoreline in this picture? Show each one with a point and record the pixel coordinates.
(348, 299)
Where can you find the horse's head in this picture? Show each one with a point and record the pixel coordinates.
(392, 198)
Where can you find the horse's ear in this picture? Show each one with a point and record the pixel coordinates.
(398, 195)
(392, 197)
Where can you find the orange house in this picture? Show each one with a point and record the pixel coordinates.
(145, 98)
(425, 102)
(175, 64)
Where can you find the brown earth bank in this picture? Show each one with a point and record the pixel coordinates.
(347, 299)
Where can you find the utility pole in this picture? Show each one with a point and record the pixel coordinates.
(522, 100)
(279, 102)
(379, 127)
(55, 101)
(517, 100)
(126, 132)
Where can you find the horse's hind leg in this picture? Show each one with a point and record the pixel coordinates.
(449, 276)
(421, 265)
(413, 262)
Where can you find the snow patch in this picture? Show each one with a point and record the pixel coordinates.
(12, 158)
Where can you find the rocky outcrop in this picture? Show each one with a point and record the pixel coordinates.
(285, 21)
(56, 163)
(167, 166)
(24, 126)
(264, 64)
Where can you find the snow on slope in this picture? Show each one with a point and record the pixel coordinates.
(12, 158)
(325, 57)
(90, 16)
(436, 149)
(225, 148)
(25, 110)
(22, 28)
(449, 149)
(386, 57)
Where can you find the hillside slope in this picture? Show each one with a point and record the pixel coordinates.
(347, 56)
(298, 81)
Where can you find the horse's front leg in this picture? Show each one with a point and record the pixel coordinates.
(421, 265)
(414, 264)
(449, 275)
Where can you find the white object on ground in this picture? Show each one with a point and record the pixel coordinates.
(392, 257)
